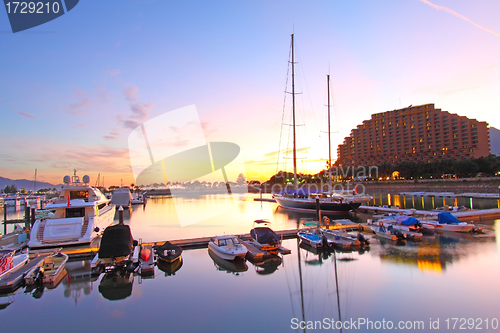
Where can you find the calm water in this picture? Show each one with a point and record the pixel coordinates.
(445, 276)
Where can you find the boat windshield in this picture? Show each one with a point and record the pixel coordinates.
(228, 242)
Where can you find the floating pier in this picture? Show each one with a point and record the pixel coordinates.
(264, 199)
(255, 254)
(451, 195)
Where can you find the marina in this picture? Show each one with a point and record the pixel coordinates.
(250, 166)
(435, 259)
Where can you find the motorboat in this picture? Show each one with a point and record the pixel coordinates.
(389, 233)
(448, 222)
(356, 240)
(11, 269)
(122, 197)
(410, 226)
(49, 271)
(138, 198)
(80, 214)
(168, 252)
(11, 260)
(264, 237)
(227, 247)
(312, 235)
(118, 250)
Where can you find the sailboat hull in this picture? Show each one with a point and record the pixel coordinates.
(310, 205)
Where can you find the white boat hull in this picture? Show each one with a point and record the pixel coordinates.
(461, 227)
(228, 254)
(68, 231)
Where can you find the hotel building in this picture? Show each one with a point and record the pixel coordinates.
(414, 134)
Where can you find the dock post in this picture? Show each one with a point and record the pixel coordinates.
(27, 212)
(4, 218)
(120, 215)
(32, 218)
(318, 211)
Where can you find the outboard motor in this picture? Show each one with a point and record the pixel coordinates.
(38, 275)
(362, 239)
(399, 234)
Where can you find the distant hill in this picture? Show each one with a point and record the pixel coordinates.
(26, 184)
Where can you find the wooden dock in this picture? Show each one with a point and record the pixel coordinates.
(264, 199)
(202, 242)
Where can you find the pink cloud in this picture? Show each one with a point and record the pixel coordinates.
(27, 115)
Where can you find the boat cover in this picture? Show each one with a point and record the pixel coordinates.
(406, 220)
(264, 235)
(447, 218)
(116, 241)
(169, 251)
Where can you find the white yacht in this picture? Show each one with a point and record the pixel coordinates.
(80, 214)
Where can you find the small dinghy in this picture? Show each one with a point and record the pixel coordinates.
(169, 252)
(50, 270)
(227, 247)
(265, 238)
(389, 233)
(312, 235)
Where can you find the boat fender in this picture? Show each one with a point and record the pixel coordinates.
(145, 254)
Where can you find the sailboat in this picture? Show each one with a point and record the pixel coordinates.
(304, 200)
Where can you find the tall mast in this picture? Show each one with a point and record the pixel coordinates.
(293, 112)
(329, 139)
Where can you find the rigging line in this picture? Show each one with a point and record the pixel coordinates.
(290, 291)
(284, 104)
(308, 93)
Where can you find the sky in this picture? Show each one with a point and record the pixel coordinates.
(74, 89)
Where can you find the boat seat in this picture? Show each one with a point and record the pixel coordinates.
(48, 265)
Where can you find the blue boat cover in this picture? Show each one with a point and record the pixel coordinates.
(406, 220)
(264, 235)
(447, 218)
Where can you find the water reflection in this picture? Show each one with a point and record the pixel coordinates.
(169, 268)
(306, 285)
(235, 266)
(268, 266)
(116, 285)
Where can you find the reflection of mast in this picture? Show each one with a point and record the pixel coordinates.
(301, 286)
(337, 285)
